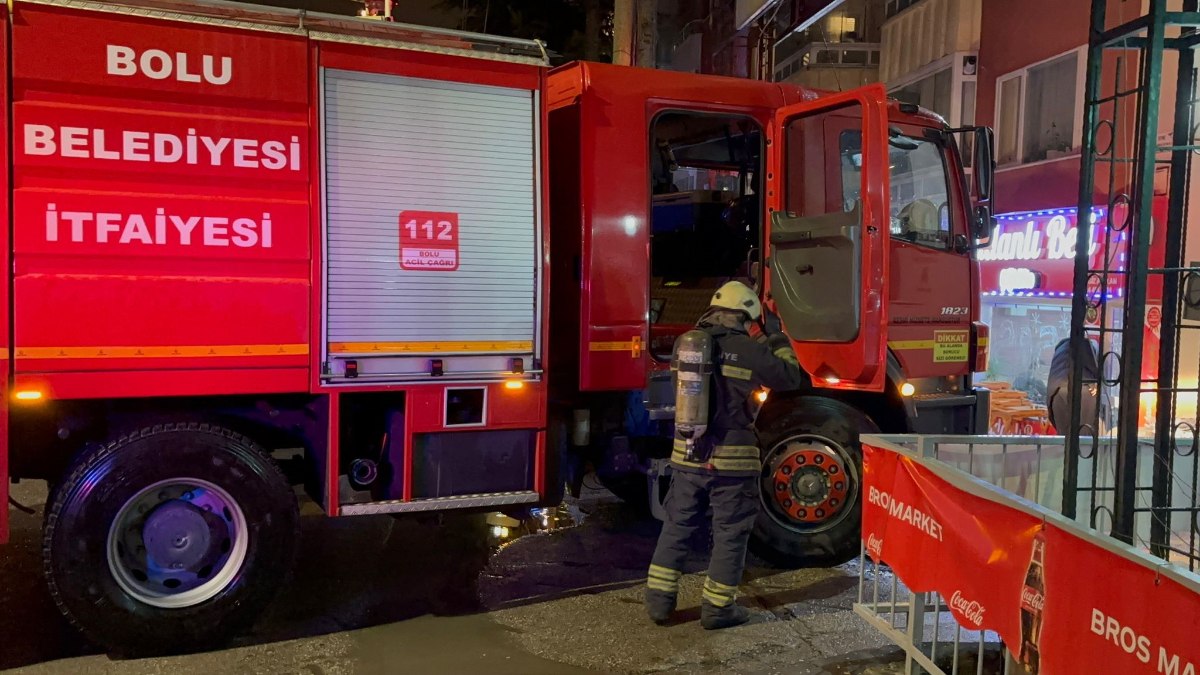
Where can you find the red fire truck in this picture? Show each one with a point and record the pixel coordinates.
(414, 270)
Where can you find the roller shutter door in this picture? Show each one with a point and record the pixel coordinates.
(396, 145)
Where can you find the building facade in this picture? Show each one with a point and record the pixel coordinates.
(930, 55)
(837, 50)
(1031, 85)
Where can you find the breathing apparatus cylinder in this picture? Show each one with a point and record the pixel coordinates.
(691, 360)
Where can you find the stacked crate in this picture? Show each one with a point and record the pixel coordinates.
(1012, 413)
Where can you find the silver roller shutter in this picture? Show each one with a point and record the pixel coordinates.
(395, 144)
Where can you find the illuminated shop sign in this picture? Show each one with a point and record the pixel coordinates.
(1032, 254)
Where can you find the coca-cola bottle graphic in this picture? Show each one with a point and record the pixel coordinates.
(1033, 602)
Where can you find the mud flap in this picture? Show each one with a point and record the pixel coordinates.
(4, 457)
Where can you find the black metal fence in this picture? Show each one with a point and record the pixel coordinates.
(1134, 466)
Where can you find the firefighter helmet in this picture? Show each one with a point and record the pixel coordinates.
(739, 297)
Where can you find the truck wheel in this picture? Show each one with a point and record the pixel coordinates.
(169, 539)
(631, 488)
(811, 485)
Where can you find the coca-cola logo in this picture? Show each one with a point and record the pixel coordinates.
(970, 609)
(875, 546)
(1032, 599)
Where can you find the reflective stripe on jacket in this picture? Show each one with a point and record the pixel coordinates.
(730, 459)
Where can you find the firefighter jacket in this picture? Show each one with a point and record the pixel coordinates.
(742, 365)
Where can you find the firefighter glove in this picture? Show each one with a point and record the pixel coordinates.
(779, 341)
(772, 322)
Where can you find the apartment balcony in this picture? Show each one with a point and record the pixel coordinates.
(831, 65)
(924, 31)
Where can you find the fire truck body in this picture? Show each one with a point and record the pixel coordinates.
(239, 231)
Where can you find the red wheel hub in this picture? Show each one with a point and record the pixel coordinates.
(810, 483)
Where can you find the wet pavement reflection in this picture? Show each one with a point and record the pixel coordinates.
(543, 591)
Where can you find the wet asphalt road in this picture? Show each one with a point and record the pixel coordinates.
(382, 595)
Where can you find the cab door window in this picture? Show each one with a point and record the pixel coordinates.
(920, 195)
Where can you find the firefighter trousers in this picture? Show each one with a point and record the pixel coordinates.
(734, 503)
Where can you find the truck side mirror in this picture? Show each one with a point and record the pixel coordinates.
(983, 167)
(982, 225)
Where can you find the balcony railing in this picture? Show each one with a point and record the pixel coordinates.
(829, 55)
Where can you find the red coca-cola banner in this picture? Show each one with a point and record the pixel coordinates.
(1063, 599)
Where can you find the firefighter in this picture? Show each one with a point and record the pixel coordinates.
(720, 470)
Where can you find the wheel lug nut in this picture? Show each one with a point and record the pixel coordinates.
(839, 485)
(819, 459)
(188, 496)
(787, 470)
(833, 468)
(787, 503)
(833, 502)
(781, 487)
(820, 513)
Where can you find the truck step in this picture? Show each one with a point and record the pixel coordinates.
(440, 503)
(943, 400)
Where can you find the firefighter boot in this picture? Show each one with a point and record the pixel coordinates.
(659, 605)
(662, 587)
(713, 617)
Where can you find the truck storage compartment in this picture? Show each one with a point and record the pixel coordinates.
(431, 229)
(458, 463)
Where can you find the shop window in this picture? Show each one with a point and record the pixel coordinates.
(920, 202)
(1037, 111)
(1023, 337)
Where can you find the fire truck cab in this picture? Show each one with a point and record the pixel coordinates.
(849, 212)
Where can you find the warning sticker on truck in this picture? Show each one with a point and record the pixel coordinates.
(428, 241)
(950, 346)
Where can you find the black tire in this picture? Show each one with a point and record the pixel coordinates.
(631, 488)
(835, 424)
(99, 486)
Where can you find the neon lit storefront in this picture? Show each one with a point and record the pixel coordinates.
(1026, 277)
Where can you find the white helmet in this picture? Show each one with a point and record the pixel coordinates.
(739, 297)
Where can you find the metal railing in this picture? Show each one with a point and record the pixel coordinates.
(1029, 468)
(921, 625)
(1033, 468)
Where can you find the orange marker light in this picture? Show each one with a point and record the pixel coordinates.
(28, 395)
(761, 395)
(514, 384)
(907, 389)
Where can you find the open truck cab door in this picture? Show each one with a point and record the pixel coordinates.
(827, 254)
